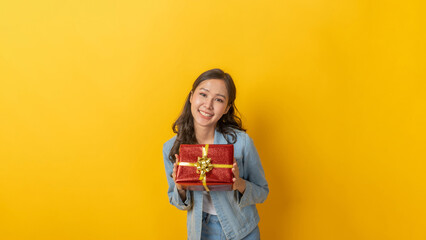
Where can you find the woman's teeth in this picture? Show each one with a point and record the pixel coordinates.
(205, 114)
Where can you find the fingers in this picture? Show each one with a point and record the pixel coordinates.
(178, 186)
(174, 171)
(236, 173)
(175, 167)
(235, 170)
(238, 183)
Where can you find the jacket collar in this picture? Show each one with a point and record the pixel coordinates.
(218, 137)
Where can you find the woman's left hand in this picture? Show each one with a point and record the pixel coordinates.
(239, 183)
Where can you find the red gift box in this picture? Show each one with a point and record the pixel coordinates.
(205, 167)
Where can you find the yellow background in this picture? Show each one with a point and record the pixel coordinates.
(332, 92)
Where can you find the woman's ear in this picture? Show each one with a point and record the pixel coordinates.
(227, 109)
(190, 96)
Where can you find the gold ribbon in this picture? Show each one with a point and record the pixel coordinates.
(204, 166)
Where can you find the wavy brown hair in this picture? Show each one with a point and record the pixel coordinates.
(227, 124)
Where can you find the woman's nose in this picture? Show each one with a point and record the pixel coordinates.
(209, 103)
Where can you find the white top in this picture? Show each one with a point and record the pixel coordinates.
(208, 206)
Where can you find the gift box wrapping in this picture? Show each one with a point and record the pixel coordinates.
(219, 178)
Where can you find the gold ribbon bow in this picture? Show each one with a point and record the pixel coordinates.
(204, 166)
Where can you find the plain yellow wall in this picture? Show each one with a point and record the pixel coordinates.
(332, 92)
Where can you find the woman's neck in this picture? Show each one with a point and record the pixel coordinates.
(204, 135)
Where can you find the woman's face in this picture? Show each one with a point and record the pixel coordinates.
(209, 102)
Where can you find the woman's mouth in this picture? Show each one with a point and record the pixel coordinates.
(207, 115)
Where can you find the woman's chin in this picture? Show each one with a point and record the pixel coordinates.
(205, 123)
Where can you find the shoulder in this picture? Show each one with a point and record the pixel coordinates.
(244, 145)
(242, 137)
(167, 146)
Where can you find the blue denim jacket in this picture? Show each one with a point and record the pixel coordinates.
(237, 212)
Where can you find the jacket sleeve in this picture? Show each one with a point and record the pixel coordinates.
(256, 185)
(172, 192)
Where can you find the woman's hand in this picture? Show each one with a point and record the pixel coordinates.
(178, 186)
(239, 183)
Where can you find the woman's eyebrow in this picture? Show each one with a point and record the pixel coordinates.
(217, 94)
(221, 95)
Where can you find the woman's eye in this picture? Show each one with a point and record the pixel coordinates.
(203, 94)
(219, 100)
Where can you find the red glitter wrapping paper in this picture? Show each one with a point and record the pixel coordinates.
(219, 178)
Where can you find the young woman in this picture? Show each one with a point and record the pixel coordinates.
(209, 117)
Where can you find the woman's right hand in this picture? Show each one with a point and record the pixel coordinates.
(178, 186)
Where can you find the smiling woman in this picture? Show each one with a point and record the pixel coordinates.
(208, 103)
(209, 117)
(213, 86)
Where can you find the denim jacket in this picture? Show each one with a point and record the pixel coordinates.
(237, 212)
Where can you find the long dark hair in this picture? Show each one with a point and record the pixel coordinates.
(227, 124)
